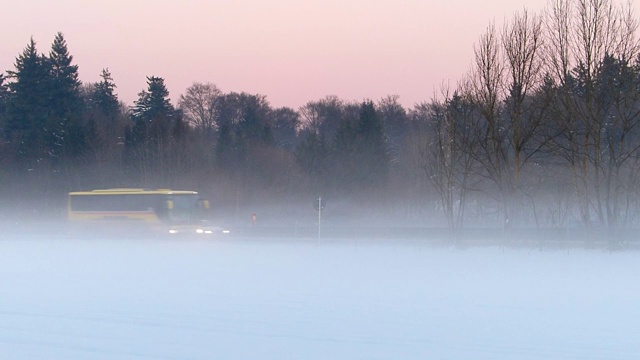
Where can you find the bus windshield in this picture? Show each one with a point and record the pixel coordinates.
(184, 209)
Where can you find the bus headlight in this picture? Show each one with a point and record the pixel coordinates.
(199, 231)
(173, 231)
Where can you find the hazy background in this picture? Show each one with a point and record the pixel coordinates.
(525, 151)
(97, 298)
(291, 51)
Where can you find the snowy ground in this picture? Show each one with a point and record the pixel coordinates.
(239, 299)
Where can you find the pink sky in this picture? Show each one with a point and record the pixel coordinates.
(292, 51)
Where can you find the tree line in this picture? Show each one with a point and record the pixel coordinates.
(542, 131)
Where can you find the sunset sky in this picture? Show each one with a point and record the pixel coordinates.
(292, 51)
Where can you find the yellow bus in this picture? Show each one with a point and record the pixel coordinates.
(165, 210)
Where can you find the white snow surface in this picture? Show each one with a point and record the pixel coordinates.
(270, 299)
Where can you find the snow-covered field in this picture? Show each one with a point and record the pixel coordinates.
(240, 299)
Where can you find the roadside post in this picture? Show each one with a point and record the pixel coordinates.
(319, 205)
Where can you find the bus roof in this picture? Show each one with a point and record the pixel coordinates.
(133, 191)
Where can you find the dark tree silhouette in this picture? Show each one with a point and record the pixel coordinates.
(153, 103)
(29, 109)
(66, 103)
(103, 98)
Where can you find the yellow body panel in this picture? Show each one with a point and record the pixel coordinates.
(118, 215)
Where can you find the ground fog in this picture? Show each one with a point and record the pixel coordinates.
(287, 299)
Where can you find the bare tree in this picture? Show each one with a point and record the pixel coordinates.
(448, 156)
(522, 41)
(591, 45)
(319, 125)
(618, 85)
(322, 117)
(199, 106)
(486, 83)
(395, 121)
(285, 124)
(526, 110)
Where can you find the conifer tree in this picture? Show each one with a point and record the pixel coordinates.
(67, 134)
(65, 84)
(28, 108)
(4, 89)
(149, 141)
(103, 98)
(104, 119)
(153, 103)
(4, 100)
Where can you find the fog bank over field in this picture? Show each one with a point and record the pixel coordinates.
(339, 219)
(242, 299)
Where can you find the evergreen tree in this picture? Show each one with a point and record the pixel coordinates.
(67, 132)
(103, 99)
(4, 101)
(65, 82)
(28, 109)
(4, 98)
(4, 90)
(148, 142)
(152, 113)
(104, 123)
(153, 103)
